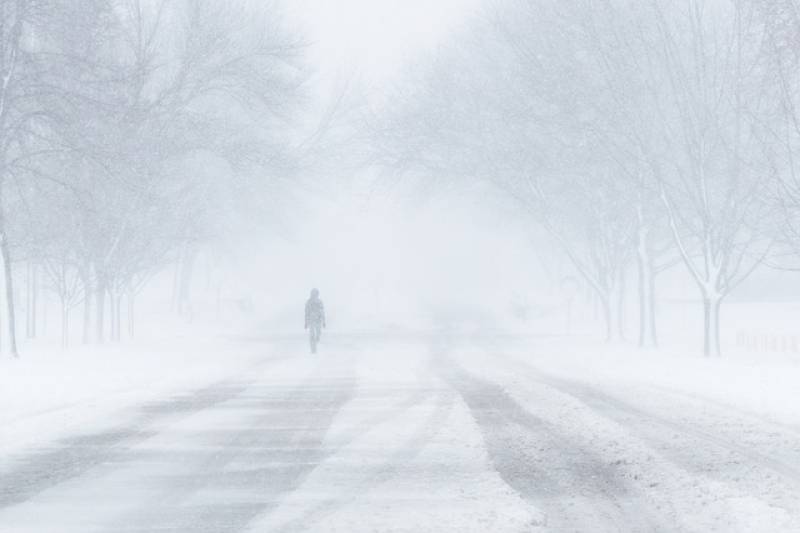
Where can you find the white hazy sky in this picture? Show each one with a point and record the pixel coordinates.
(373, 39)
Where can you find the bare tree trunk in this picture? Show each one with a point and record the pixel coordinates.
(621, 306)
(646, 274)
(1, 329)
(64, 324)
(608, 316)
(652, 304)
(9, 279)
(111, 322)
(35, 301)
(44, 314)
(86, 280)
(644, 309)
(715, 340)
(131, 314)
(87, 312)
(118, 317)
(711, 338)
(31, 299)
(706, 327)
(113, 311)
(28, 291)
(100, 299)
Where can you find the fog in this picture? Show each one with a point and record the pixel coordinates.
(383, 265)
(386, 259)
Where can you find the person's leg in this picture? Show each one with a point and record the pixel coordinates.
(312, 338)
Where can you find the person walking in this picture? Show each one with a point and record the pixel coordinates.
(315, 319)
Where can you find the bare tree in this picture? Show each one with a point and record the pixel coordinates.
(712, 177)
(14, 85)
(642, 122)
(516, 105)
(780, 124)
(161, 84)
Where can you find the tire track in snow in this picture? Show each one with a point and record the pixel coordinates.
(328, 506)
(249, 466)
(688, 443)
(572, 484)
(265, 465)
(620, 410)
(753, 421)
(407, 451)
(697, 450)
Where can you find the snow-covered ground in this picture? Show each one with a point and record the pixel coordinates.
(425, 433)
(49, 392)
(763, 385)
(698, 444)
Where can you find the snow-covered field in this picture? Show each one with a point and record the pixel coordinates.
(435, 433)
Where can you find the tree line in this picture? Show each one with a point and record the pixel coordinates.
(639, 135)
(111, 114)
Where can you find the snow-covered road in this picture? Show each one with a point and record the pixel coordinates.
(424, 435)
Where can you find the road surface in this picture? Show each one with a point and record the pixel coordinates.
(422, 435)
